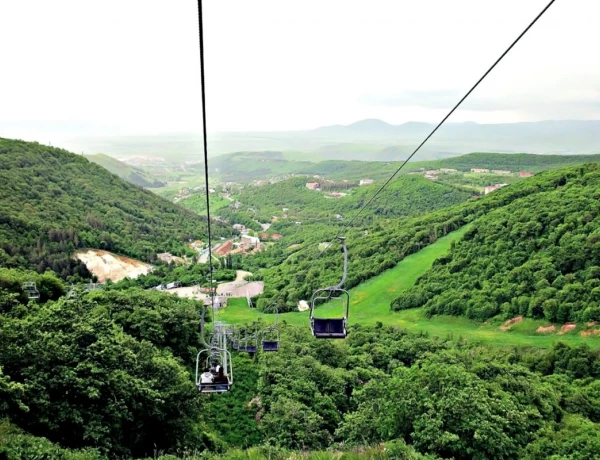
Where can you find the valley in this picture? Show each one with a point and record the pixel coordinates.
(473, 282)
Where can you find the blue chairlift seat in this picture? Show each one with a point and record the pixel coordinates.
(270, 345)
(329, 328)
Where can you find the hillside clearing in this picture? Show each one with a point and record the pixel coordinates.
(370, 303)
(108, 266)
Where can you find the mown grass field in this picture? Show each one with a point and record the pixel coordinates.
(370, 303)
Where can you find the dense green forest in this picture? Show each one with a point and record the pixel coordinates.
(107, 375)
(103, 369)
(127, 172)
(408, 195)
(538, 256)
(53, 202)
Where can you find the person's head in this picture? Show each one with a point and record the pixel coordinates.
(206, 369)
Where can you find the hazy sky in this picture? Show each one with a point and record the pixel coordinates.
(132, 66)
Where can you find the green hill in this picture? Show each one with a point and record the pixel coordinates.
(248, 166)
(536, 256)
(405, 196)
(124, 171)
(53, 202)
(511, 161)
(293, 273)
(378, 170)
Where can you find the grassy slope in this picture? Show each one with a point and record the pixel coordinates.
(124, 171)
(197, 203)
(370, 302)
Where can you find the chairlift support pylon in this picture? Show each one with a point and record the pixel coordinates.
(332, 328)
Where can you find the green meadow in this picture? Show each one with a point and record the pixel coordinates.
(370, 303)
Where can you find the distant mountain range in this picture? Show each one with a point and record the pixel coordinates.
(370, 139)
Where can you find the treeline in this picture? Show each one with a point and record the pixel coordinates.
(188, 275)
(54, 202)
(538, 256)
(380, 170)
(511, 161)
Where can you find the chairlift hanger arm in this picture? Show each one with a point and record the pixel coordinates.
(340, 285)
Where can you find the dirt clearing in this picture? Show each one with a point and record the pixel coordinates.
(108, 266)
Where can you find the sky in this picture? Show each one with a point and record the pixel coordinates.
(132, 66)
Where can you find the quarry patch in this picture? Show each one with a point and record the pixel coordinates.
(108, 266)
(509, 323)
(545, 329)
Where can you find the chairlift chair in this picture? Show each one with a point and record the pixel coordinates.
(331, 328)
(250, 345)
(270, 336)
(272, 344)
(30, 288)
(208, 357)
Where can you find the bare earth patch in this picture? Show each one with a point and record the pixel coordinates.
(545, 329)
(566, 328)
(509, 323)
(590, 333)
(108, 266)
(592, 323)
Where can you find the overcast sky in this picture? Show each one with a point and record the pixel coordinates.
(132, 66)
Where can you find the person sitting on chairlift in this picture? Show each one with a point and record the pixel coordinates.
(221, 377)
(206, 377)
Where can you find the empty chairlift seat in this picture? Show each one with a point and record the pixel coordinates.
(329, 328)
(270, 337)
(270, 345)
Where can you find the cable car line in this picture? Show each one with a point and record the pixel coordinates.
(383, 186)
(215, 359)
(387, 182)
(347, 224)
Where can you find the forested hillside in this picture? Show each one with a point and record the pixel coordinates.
(52, 202)
(538, 256)
(103, 369)
(248, 166)
(293, 273)
(406, 196)
(511, 161)
(108, 373)
(131, 174)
